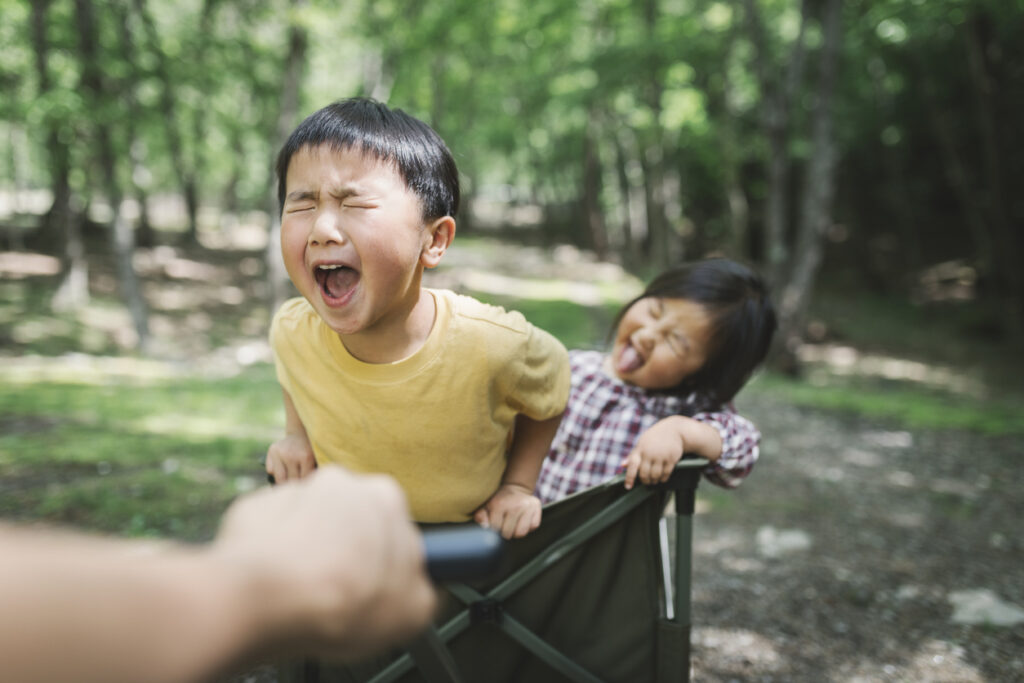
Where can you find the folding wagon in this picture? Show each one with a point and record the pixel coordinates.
(592, 596)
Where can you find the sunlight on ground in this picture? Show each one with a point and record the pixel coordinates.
(562, 273)
(583, 293)
(740, 648)
(166, 259)
(19, 264)
(848, 361)
(79, 368)
(936, 661)
(215, 426)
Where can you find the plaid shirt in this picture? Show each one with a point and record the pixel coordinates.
(605, 417)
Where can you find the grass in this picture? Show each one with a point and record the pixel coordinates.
(112, 442)
(134, 457)
(575, 325)
(908, 406)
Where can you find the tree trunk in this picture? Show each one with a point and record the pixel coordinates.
(120, 232)
(144, 230)
(987, 87)
(61, 225)
(731, 154)
(777, 102)
(590, 193)
(56, 224)
(168, 104)
(817, 195)
(897, 193)
(294, 66)
(656, 247)
(634, 215)
(955, 170)
(197, 166)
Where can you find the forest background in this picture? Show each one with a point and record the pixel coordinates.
(866, 156)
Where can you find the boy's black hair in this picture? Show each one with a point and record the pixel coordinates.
(742, 322)
(420, 155)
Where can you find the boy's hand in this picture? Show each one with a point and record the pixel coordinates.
(655, 454)
(290, 458)
(512, 510)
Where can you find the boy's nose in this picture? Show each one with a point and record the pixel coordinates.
(326, 229)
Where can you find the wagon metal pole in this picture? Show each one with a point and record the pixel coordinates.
(685, 498)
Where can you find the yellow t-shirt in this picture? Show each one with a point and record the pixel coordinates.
(439, 421)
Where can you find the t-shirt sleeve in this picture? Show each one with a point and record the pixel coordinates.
(542, 389)
(282, 327)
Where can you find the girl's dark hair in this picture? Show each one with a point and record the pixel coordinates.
(423, 160)
(742, 322)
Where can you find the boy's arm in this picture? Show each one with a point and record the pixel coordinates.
(292, 456)
(660, 448)
(513, 509)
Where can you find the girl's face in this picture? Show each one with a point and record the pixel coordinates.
(660, 342)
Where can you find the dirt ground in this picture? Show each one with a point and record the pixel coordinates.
(842, 556)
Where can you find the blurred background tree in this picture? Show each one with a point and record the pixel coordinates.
(872, 140)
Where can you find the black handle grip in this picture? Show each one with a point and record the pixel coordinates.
(462, 552)
(458, 553)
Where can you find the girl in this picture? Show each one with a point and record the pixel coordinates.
(682, 350)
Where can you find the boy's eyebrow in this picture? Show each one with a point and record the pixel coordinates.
(340, 192)
(300, 195)
(343, 191)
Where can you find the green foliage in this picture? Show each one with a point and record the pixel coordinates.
(518, 88)
(906, 405)
(575, 325)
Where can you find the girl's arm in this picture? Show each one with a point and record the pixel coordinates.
(740, 447)
(513, 509)
(660, 447)
(728, 440)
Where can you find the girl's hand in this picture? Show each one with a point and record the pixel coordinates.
(512, 510)
(290, 458)
(655, 454)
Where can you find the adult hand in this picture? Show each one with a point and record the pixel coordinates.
(335, 560)
(328, 565)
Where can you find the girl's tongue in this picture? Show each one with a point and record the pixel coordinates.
(628, 360)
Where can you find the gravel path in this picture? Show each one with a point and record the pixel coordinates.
(851, 548)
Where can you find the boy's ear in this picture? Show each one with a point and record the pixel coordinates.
(438, 237)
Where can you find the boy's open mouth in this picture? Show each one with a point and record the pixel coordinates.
(336, 280)
(629, 359)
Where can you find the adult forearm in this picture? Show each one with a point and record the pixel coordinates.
(327, 565)
(87, 609)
